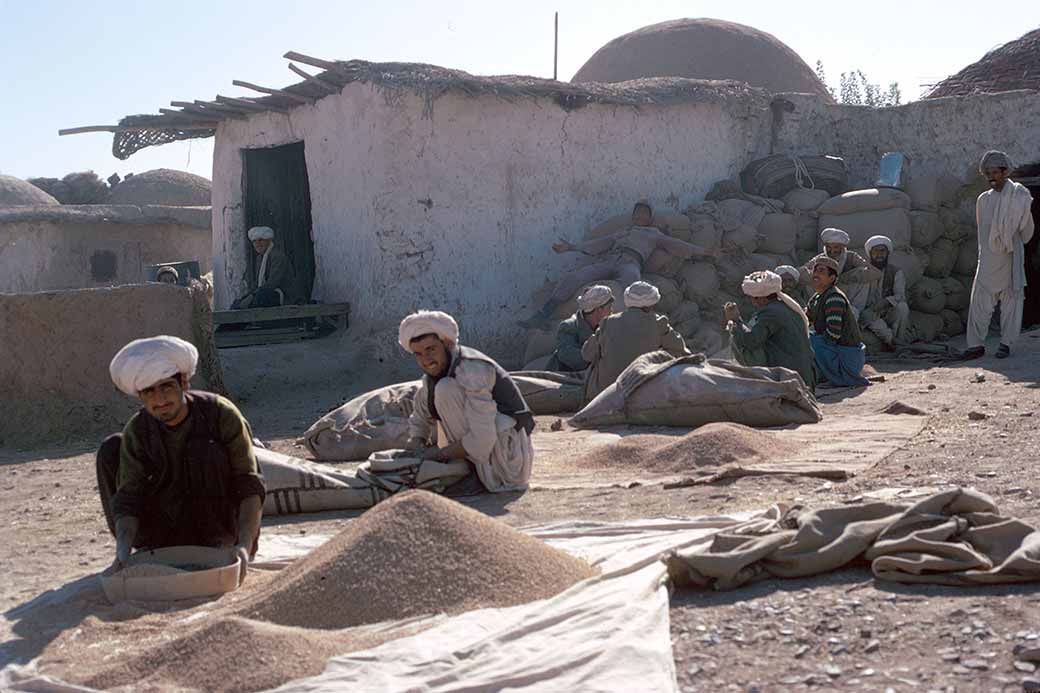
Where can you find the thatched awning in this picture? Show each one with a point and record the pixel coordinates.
(1013, 66)
(199, 119)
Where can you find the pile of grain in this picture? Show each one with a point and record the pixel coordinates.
(710, 445)
(415, 554)
(234, 654)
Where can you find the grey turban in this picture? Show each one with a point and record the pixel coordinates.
(994, 159)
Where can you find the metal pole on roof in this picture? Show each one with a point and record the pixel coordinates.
(556, 42)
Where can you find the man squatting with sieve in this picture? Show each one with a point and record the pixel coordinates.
(183, 471)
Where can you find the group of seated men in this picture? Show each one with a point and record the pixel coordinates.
(803, 320)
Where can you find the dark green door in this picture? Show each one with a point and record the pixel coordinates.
(278, 195)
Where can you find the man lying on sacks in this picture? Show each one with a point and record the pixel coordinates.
(619, 256)
(833, 329)
(791, 278)
(1005, 222)
(625, 336)
(594, 304)
(183, 471)
(275, 278)
(886, 312)
(778, 333)
(468, 409)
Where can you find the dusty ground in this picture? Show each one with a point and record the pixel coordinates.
(841, 631)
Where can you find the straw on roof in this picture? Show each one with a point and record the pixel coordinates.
(200, 119)
(1013, 66)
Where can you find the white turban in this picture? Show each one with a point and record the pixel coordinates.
(834, 236)
(762, 284)
(594, 297)
(875, 241)
(790, 271)
(144, 362)
(261, 232)
(427, 322)
(641, 295)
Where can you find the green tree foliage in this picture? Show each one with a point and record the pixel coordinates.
(857, 90)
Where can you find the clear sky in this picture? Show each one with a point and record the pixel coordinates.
(70, 63)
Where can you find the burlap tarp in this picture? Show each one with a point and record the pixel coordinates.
(955, 537)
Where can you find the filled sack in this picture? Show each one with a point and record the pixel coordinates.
(659, 390)
(926, 295)
(374, 421)
(894, 223)
(867, 200)
(777, 175)
(777, 233)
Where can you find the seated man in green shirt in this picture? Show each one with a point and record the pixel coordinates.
(777, 335)
(594, 304)
(183, 471)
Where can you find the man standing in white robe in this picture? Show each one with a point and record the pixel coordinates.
(1005, 222)
(468, 407)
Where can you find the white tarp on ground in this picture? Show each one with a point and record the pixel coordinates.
(606, 633)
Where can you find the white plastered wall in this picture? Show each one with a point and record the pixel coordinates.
(457, 211)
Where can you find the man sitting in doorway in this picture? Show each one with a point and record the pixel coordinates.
(167, 275)
(619, 256)
(778, 333)
(183, 471)
(594, 304)
(624, 337)
(886, 312)
(275, 279)
(468, 407)
(834, 331)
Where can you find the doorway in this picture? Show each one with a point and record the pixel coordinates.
(278, 194)
(1029, 176)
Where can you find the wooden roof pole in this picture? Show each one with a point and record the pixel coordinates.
(274, 92)
(325, 85)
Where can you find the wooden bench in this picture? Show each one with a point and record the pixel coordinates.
(278, 324)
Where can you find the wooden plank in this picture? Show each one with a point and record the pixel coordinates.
(225, 340)
(309, 60)
(208, 117)
(88, 128)
(310, 310)
(250, 105)
(209, 111)
(273, 92)
(324, 85)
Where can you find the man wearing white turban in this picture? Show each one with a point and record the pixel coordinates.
(778, 333)
(792, 286)
(183, 471)
(618, 256)
(625, 336)
(468, 407)
(835, 243)
(886, 312)
(275, 278)
(1004, 218)
(594, 304)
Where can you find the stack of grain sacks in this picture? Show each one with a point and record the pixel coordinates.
(931, 226)
(935, 246)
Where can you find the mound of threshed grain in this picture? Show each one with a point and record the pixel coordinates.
(710, 445)
(412, 555)
(234, 654)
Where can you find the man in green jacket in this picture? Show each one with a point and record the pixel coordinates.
(778, 333)
(624, 337)
(183, 471)
(594, 304)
